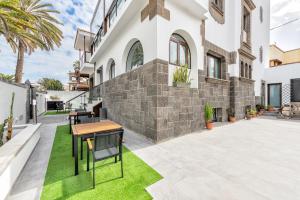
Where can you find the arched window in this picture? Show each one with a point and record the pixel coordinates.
(179, 51)
(250, 72)
(242, 69)
(246, 71)
(112, 70)
(135, 56)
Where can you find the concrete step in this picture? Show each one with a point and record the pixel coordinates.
(273, 113)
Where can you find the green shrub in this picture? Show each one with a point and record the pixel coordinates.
(1, 134)
(208, 112)
(181, 75)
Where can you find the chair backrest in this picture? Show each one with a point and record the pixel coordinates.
(103, 113)
(85, 117)
(108, 140)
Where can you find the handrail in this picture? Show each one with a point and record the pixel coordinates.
(76, 97)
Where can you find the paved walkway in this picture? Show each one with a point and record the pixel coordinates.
(257, 159)
(30, 182)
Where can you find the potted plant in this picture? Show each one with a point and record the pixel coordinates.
(10, 119)
(208, 115)
(248, 114)
(253, 113)
(231, 115)
(270, 108)
(260, 109)
(181, 77)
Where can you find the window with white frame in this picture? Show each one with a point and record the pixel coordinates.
(179, 51)
(135, 56)
(112, 70)
(214, 66)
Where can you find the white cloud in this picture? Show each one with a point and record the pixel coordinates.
(57, 63)
(282, 11)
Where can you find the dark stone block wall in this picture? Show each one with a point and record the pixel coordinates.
(241, 95)
(142, 101)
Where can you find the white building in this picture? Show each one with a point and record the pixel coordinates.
(138, 45)
(283, 77)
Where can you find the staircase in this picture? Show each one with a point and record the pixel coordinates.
(86, 100)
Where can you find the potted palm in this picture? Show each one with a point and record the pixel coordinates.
(10, 119)
(181, 77)
(208, 115)
(231, 115)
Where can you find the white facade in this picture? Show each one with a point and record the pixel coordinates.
(228, 36)
(185, 19)
(282, 75)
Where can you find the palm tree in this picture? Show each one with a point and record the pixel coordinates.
(39, 31)
(76, 65)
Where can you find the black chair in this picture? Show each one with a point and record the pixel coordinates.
(84, 118)
(105, 146)
(103, 113)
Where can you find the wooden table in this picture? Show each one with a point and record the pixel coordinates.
(73, 115)
(90, 129)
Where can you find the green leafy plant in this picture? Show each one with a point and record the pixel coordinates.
(208, 112)
(1, 133)
(10, 119)
(181, 75)
(7, 77)
(260, 107)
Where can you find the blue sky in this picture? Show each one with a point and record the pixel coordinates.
(78, 13)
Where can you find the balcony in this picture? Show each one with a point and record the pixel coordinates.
(85, 66)
(111, 15)
(83, 44)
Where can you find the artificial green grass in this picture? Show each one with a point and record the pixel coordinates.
(60, 182)
(57, 113)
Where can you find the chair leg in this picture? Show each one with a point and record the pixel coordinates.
(116, 159)
(94, 173)
(88, 158)
(81, 149)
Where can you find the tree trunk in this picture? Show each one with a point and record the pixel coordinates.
(20, 63)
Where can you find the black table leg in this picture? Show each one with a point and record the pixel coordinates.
(70, 124)
(76, 154)
(73, 145)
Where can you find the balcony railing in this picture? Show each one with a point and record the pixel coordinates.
(96, 92)
(109, 20)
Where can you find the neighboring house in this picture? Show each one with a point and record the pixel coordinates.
(138, 45)
(78, 81)
(283, 77)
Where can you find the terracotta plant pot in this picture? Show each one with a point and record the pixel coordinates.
(232, 119)
(209, 125)
(271, 109)
(248, 117)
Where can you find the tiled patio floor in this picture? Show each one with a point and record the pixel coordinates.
(256, 159)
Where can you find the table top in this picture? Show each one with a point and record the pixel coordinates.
(97, 127)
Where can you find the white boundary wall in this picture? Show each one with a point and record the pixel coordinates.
(6, 90)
